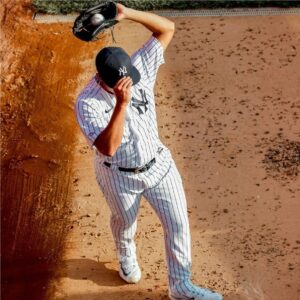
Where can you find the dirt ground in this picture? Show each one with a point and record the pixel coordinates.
(228, 108)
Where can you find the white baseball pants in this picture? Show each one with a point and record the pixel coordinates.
(162, 187)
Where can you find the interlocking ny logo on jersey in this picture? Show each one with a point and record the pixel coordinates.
(138, 104)
(122, 71)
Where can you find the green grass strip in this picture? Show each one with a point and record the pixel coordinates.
(65, 7)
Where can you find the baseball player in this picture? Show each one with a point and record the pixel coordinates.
(116, 113)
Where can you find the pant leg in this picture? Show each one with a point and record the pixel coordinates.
(124, 202)
(168, 200)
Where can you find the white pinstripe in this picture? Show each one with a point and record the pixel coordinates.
(161, 185)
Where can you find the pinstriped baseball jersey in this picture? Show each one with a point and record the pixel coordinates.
(161, 185)
(94, 108)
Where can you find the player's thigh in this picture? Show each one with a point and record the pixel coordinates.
(168, 198)
(122, 202)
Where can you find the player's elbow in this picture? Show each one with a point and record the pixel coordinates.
(104, 148)
(172, 26)
(111, 152)
(169, 27)
(107, 151)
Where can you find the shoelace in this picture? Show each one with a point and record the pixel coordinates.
(112, 34)
(127, 265)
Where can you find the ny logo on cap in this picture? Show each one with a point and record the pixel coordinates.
(122, 71)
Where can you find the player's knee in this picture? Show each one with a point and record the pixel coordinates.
(176, 226)
(181, 226)
(121, 221)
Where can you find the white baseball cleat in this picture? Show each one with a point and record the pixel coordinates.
(189, 291)
(130, 270)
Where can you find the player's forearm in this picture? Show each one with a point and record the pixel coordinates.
(153, 22)
(110, 138)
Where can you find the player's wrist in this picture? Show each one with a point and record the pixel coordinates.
(122, 12)
(121, 105)
(128, 12)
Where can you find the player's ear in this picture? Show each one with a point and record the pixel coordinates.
(98, 78)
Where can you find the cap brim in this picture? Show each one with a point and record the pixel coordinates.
(135, 75)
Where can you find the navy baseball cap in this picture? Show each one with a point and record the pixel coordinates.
(113, 63)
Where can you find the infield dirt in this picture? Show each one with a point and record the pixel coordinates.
(228, 108)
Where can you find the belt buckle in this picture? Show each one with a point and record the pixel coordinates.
(145, 167)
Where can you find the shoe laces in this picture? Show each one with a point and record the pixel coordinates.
(127, 263)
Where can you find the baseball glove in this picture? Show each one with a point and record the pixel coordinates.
(95, 20)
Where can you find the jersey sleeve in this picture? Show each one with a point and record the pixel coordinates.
(91, 118)
(148, 58)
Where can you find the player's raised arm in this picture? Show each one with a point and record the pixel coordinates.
(163, 29)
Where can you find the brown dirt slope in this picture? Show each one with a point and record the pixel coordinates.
(39, 76)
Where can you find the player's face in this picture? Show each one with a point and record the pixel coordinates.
(106, 87)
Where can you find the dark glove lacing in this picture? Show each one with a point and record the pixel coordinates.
(112, 34)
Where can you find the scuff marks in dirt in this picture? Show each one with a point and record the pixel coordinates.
(282, 158)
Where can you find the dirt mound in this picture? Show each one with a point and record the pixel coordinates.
(39, 80)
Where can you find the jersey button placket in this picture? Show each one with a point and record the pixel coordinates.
(134, 131)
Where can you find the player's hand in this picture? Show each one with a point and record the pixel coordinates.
(122, 90)
(121, 13)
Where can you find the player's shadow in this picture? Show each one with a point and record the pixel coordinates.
(88, 269)
(102, 275)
